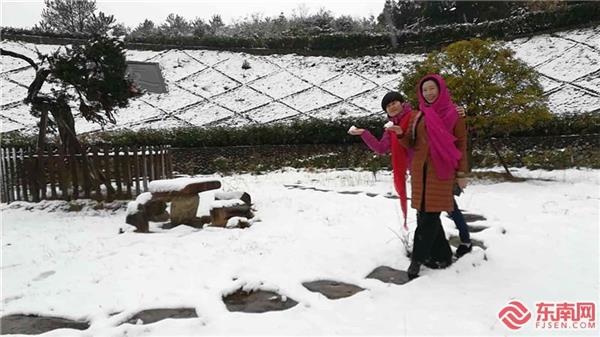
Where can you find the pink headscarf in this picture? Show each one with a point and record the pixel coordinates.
(440, 119)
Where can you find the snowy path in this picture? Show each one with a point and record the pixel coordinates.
(77, 266)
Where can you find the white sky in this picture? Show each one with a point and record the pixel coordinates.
(26, 13)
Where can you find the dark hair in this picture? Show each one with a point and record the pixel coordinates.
(390, 97)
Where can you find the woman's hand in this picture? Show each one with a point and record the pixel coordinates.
(397, 129)
(355, 131)
(461, 111)
(462, 183)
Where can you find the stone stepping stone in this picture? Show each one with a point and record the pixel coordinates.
(154, 315)
(369, 194)
(476, 229)
(35, 325)
(472, 217)
(389, 275)
(455, 241)
(257, 301)
(333, 290)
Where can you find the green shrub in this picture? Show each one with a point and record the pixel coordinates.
(502, 94)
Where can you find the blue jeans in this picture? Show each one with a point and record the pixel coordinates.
(459, 220)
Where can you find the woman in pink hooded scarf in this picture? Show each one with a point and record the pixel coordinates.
(437, 137)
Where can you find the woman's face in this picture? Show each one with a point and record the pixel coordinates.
(393, 108)
(430, 91)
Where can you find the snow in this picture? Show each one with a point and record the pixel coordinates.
(280, 85)
(143, 198)
(540, 248)
(371, 101)
(210, 88)
(235, 222)
(204, 113)
(388, 125)
(226, 203)
(242, 99)
(310, 99)
(176, 65)
(140, 55)
(259, 67)
(209, 57)
(19, 113)
(228, 195)
(11, 92)
(271, 112)
(590, 83)
(352, 129)
(132, 207)
(348, 85)
(136, 111)
(7, 125)
(540, 49)
(572, 99)
(339, 110)
(233, 122)
(574, 63)
(174, 185)
(209, 83)
(175, 99)
(158, 123)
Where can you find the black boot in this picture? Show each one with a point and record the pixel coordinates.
(463, 249)
(413, 269)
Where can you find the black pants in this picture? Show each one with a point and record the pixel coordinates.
(430, 244)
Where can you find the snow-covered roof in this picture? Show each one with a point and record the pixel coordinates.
(210, 88)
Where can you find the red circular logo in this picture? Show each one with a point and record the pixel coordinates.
(514, 315)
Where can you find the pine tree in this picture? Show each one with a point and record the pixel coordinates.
(101, 23)
(145, 29)
(175, 26)
(93, 75)
(216, 24)
(67, 16)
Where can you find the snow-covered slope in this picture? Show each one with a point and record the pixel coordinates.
(210, 88)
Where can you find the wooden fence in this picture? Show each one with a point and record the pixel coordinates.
(33, 176)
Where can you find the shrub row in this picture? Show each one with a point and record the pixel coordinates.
(586, 13)
(299, 132)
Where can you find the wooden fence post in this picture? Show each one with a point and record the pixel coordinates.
(136, 161)
(63, 173)
(145, 168)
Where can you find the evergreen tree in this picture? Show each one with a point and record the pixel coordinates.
(101, 23)
(199, 27)
(67, 16)
(76, 16)
(216, 24)
(175, 25)
(145, 29)
(93, 75)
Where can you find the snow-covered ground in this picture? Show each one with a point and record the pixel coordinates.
(542, 245)
(210, 88)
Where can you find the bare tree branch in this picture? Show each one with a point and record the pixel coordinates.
(19, 56)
